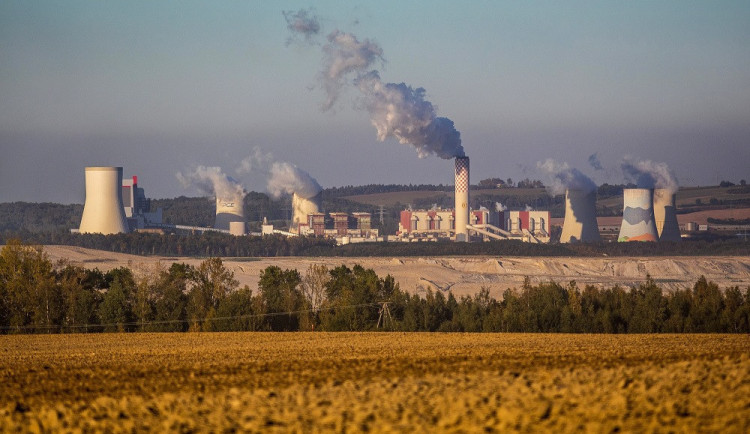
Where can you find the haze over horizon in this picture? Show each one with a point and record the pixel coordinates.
(162, 87)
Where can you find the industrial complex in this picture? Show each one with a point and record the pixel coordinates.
(116, 205)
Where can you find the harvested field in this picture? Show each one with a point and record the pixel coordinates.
(383, 382)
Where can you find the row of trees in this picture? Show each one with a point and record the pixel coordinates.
(38, 296)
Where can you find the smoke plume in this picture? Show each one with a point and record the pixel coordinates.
(302, 23)
(212, 181)
(282, 177)
(649, 174)
(288, 178)
(594, 162)
(396, 110)
(499, 207)
(564, 177)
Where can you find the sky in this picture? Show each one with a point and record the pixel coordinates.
(164, 87)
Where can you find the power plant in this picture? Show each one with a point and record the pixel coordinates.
(665, 215)
(229, 209)
(580, 223)
(303, 207)
(462, 199)
(103, 210)
(638, 216)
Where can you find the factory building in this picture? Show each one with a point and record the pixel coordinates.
(137, 207)
(345, 228)
(483, 225)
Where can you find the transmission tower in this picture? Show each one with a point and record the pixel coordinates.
(384, 315)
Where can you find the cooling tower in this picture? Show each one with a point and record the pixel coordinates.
(638, 216)
(580, 217)
(229, 209)
(462, 198)
(303, 207)
(665, 215)
(103, 211)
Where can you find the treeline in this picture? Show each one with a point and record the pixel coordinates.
(200, 244)
(37, 296)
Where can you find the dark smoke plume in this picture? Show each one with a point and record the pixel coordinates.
(303, 23)
(594, 162)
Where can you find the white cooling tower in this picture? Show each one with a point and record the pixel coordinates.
(462, 198)
(665, 215)
(103, 211)
(638, 216)
(580, 217)
(229, 209)
(303, 207)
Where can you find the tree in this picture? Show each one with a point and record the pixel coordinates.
(314, 290)
(212, 283)
(279, 290)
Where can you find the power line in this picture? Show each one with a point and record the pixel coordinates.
(185, 321)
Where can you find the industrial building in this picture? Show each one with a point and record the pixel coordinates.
(638, 216)
(580, 223)
(137, 207)
(483, 225)
(103, 210)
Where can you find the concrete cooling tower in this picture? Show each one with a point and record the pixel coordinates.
(580, 217)
(228, 210)
(302, 207)
(638, 216)
(665, 215)
(462, 198)
(103, 212)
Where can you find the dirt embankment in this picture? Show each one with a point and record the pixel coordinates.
(463, 275)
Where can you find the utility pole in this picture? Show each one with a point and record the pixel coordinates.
(384, 315)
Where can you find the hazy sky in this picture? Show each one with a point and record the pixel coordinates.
(160, 87)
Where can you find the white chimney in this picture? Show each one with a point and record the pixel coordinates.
(462, 198)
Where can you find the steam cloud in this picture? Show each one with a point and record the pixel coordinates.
(594, 162)
(499, 207)
(649, 174)
(396, 110)
(565, 177)
(283, 177)
(212, 181)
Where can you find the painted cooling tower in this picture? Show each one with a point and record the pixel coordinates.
(580, 217)
(462, 198)
(103, 211)
(302, 207)
(229, 209)
(638, 216)
(665, 215)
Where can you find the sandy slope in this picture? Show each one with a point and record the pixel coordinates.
(464, 275)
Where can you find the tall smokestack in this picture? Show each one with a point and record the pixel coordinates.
(462, 198)
(302, 207)
(665, 215)
(580, 217)
(638, 216)
(103, 211)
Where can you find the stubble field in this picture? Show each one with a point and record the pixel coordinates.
(382, 382)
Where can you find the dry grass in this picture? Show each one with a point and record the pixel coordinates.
(310, 382)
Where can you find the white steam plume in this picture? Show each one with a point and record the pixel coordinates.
(212, 181)
(282, 177)
(564, 177)
(288, 178)
(649, 174)
(499, 207)
(396, 110)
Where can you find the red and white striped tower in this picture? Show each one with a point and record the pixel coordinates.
(462, 198)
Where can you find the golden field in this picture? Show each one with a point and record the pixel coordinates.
(382, 382)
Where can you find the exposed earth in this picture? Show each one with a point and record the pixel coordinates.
(463, 275)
